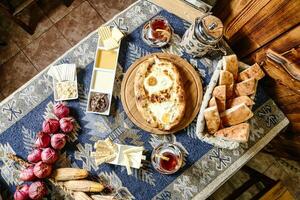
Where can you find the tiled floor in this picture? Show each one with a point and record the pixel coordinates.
(59, 28)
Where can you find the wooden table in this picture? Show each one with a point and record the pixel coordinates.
(179, 8)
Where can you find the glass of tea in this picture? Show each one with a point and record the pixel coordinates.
(159, 29)
(167, 158)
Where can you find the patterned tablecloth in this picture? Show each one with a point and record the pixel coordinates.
(205, 167)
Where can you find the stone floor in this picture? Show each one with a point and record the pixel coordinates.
(59, 28)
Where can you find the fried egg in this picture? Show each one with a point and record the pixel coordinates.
(159, 93)
(158, 80)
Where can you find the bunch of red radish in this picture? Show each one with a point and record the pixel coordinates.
(49, 141)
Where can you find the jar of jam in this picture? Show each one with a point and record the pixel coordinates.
(167, 158)
(203, 36)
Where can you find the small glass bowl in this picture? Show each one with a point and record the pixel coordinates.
(170, 151)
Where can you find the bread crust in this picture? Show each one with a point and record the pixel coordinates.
(212, 118)
(144, 99)
(252, 72)
(230, 64)
(238, 133)
(236, 115)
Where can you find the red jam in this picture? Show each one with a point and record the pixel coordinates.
(169, 165)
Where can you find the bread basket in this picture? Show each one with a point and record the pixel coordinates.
(201, 132)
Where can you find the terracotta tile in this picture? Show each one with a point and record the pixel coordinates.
(107, 8)
(9, 50)
(15, 73)
(55, 9)
(32, 15)
(79, 23)
(261, 162)
(45, 49)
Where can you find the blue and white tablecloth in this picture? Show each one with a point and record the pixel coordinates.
(205, 167)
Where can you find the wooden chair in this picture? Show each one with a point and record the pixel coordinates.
(272, 190)
(10, 11)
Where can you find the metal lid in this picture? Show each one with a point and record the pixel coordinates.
(209, 29)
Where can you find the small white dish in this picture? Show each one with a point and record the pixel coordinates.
(56, 98)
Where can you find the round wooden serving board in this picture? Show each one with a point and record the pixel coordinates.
(192, 86)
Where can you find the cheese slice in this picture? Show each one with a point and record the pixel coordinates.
(252, 72)
(246, 87)
(239, 100)
(101, 160)
(133, 150)
(236, 115)
(116, 34)
(226, 78)
(110, 43)
(230, 63)
(212, 118)
(104, 32)
(238, 133)
(127, 165)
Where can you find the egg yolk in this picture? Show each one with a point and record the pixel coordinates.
(166, 118)
(152, 81)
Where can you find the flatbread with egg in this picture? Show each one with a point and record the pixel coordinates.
(159, 93)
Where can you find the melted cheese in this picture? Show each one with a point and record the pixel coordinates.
(165, 112)
(162, 81)
(164, 105)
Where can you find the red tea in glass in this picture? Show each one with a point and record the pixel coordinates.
(170, 163)
(167, 158)
(159, 27)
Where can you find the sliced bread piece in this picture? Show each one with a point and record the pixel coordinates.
(219, 103)
(212, 102)
(236, 115)
(212, 118)
(252, 72)
(219, 93)
(226, 78)
(229, 91)
(238, 133)
(239, 100)
(230, 63)
(246, 87)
